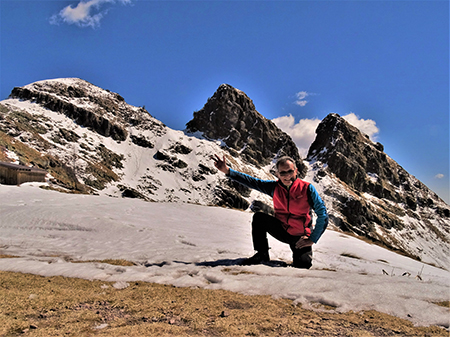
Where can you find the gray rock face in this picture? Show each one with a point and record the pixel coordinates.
(363, 165)
(354, 159)
(230, 115)
(374, 196)
(83, 117)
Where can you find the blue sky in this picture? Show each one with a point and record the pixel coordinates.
(382, 64)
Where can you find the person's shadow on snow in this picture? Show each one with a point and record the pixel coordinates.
(223, 262)
(238, 262)
(217, 263)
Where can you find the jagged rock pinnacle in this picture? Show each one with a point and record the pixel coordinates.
(230, 115)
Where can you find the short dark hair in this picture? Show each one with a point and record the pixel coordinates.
(284, 160)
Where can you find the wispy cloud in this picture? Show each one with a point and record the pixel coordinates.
(300, 98)
(301, 101)
(85, 13)
(439, 176)
(303, 132)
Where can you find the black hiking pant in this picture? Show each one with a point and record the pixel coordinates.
(264, 223)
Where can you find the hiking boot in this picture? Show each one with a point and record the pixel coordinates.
(258, 258)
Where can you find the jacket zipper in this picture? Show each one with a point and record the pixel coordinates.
(288, 202)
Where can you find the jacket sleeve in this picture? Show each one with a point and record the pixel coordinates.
(263, 186)
(322, 216)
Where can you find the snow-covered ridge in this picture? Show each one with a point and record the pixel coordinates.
(85, 95)
(415, 236)
(49, 86)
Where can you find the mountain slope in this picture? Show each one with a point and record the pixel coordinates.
(369, 194)
(109, 147)
(91, 141)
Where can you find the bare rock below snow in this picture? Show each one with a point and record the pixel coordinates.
(141, 141)
(229, 198)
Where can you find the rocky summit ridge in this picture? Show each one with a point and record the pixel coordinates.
(371, 195)
(91, 141)
(230, 115)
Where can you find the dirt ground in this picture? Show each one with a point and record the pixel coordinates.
(32, 305)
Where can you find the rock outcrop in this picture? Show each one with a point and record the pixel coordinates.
(230, 116)
(81, 116)
(373, 196)
(103, 111)
(363, 165)
(356, 160)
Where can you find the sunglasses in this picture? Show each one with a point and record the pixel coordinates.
(285, 173)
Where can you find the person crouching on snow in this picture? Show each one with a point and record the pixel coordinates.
(293, 200)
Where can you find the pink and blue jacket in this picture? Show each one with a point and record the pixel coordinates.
(293, 205)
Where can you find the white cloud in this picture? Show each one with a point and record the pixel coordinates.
(84, 14)
(301, 95)
(303, 133)
(439, 176)
(301, 102)
(367, 126)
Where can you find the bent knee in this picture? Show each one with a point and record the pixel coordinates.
(260, 217)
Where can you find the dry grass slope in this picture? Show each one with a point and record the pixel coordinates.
(32, 305)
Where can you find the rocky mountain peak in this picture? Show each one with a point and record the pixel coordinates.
(361, 163)
(371, 195)
(230, 115)
(70, 90)
(86, 104)
(354, 158)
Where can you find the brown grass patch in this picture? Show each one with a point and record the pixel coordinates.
(6, 256)
(119, 262)
(57, 306)
(443, 304)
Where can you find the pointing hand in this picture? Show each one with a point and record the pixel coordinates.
(221, 164)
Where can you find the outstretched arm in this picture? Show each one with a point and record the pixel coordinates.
(264, 186)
